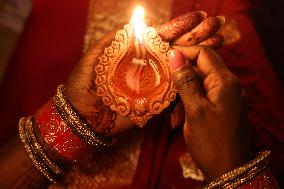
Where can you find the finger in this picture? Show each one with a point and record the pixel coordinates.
(207, 60)
(203, 31)
(214, 42)
(177, 115)
(185, 78)
(180, 25)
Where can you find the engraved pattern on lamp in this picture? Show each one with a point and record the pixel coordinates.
(133, 82)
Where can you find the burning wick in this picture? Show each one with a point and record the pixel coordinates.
(134, 74)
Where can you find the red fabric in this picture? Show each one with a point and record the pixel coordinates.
(51, 46)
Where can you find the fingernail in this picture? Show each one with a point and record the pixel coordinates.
(203, 14)
(221, 19)
(176, 60)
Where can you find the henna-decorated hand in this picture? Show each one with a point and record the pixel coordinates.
(189, 29)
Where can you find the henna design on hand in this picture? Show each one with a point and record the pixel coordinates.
(102, 118)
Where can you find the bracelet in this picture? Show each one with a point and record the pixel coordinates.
(80, 128)
(254, 172)
(242, 174)
(38, 148)
(51, 171)
(102, 119)
(60, 127)
(57, 134)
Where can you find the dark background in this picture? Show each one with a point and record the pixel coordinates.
(268, 17)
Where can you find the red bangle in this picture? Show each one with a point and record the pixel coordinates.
(264, 180)
(57, 134)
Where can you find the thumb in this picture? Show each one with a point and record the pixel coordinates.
(185, 79)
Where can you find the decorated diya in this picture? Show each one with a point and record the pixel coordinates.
(133, 76)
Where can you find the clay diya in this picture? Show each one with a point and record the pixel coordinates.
(133, 76)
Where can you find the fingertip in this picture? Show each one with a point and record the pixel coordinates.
(203, 14)
(221, 19)
(176, 60)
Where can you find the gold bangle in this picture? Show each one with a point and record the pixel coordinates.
(36, 160)
(254, 172)
(38, 149)
(79, 127)
(252, 167)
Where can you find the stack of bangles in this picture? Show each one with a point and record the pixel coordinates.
(254, 174)
(57, 131)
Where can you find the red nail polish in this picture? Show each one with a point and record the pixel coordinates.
(176, 60)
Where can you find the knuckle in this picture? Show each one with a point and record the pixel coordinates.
(233, 83)
(205, 48)
(199, 110)
(230, 80)
(211, 82)
(184, 78)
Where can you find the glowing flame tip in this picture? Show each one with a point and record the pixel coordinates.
(138, 23)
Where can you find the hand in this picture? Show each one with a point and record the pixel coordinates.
(80, 88)
(215, 129)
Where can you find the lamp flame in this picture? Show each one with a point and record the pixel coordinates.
(138, 23)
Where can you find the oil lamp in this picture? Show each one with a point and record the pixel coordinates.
(133, 76)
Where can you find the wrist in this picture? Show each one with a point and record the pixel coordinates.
(225, 162)
(93, 111)
(56, 133)
(244, 174)
(56, 136)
